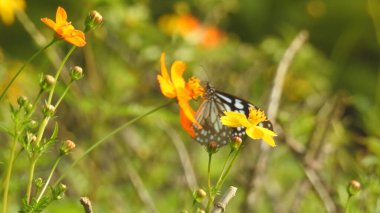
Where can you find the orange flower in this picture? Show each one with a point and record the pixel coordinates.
(176, 87)
(212, 37)
(64, 29)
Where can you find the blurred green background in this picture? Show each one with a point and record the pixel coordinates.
(327, 122)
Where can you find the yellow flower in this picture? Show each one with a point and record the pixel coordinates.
(8, 9)
(253, 130)
(175, 86)
(64, 29)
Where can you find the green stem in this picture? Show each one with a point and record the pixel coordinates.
(347, 210)
(23, 66)
(43, 125)
(95, 145)
(9, 173)
(64, 94)
(34, 105)
(224, 168)
(211, 195)
(30, 179)
(220, 184)
(59, 72)
(49, 178)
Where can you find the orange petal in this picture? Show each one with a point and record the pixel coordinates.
(50, 23)
(61, 16)
(177, 70)
(187, 110)
(76, 37)
(166, 86)
(186, 124)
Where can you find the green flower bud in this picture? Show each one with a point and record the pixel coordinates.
(22, 101)
(33, 124)
(93, 20)
(199, 195)
(39, 182)
(47, 82)
(61, 188)
(48, 110)
(66, 147)
(236, 143)
(76, 73)
(28, 108)
(353, 187)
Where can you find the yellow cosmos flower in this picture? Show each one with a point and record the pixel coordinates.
(253, 130)
(175, 86)
(8, 9)
(64, 29)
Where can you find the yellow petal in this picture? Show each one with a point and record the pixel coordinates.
(257, 132)
(254, 133)
(269, 140)
(164, 70)
(234, 119)
(61, 16)
(166, 87)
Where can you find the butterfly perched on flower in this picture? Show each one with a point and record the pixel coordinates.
(208, 115)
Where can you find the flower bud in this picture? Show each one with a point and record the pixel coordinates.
(353, 187)
(212, 147)
(199, 195)
(22, 101)
(39, 182)
(30, 137)
(28, 108)
(32, 124)
(61, 188)
(236, 143)
(66, 147)
(47, 82)
(93, 20)
(76, 73)
(48, 110)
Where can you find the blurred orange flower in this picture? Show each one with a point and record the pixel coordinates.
(8, 9)
(64, 29)
(174, 86)
(191, 29)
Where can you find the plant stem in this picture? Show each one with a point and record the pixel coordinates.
(348, 204)
(43, 125)
(224, 168)
(59, 72)
(23, 66)
(210, 191)
(64, 94)
(223, 176)
(30, 179)
(96, 144)
(9, 173)
(49, 178)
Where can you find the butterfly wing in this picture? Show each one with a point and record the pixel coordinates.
(210, 111)
(208, 116)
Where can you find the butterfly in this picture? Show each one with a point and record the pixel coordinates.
(208, 116)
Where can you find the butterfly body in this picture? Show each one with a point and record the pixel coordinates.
(214, 105)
